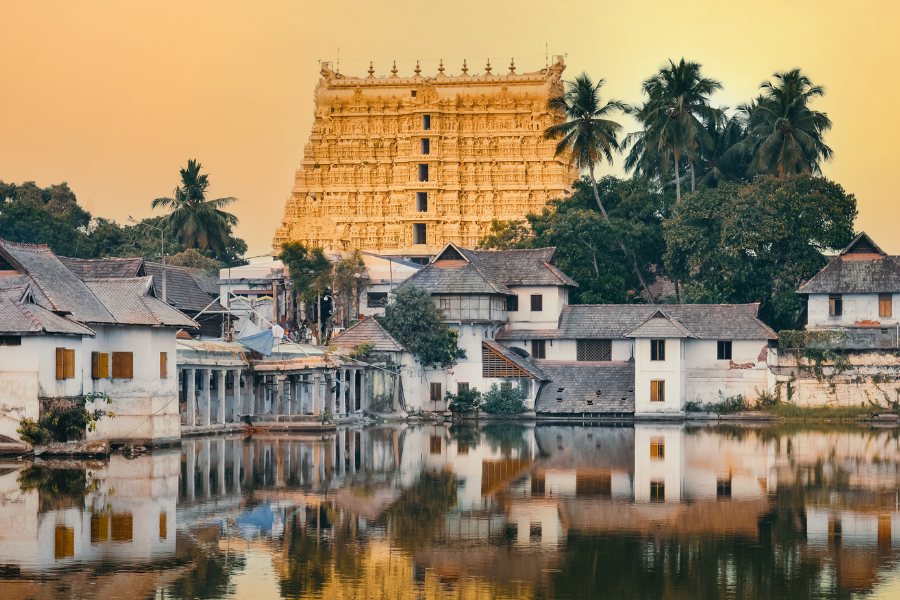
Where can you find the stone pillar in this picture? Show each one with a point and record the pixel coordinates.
(220, 417)
(294, 406)
(363, 402)
(261, 395)
(351, 449)
(352, 403)
(279, 382)
(221, 470)
(236, 397)
(190, 459)
(250, 400)
(190, 396)
(316, 396)
(204, 397)
(329, 393)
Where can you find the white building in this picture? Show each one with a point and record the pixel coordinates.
(857, 291)
(107, 335)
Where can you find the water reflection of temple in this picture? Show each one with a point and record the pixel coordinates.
(431, 510)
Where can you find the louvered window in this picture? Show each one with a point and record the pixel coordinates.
(493, 364)
(594, 350)
(65, 363)
(122, 365)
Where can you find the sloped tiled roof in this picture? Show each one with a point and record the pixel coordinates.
(100, 268)
(19, 317)
(489, 271)
(60, 289)
(616, 321)
(573, 384)
(528, 366)
(660, 325)
(183, 291)
(368, 330)
(861, 268)
(131, 302)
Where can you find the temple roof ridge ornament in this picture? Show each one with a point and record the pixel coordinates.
(487, 69)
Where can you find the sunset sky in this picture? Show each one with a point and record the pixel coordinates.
(113, 97)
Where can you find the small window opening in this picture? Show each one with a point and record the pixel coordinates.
(723, 350)
(425, 146)
(422, 201)
(419, 231)
(512, 304)
(537, 302)
(423, 172)
(884, 305)
(835, 305)
(657, 349)
(539, 349)
(426, 122)
(412, 93)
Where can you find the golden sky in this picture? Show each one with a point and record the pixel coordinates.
(115, 96)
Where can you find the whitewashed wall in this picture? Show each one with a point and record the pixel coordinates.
(708, 379)
(856, 307)
(668, 470)
(554, 300)
(671, 370)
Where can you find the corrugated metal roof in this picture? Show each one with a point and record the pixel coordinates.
(608, 386)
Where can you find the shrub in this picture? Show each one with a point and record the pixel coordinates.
(362, 350)
(66, 421)
(466, 400)
(505, 400)
(382, 403)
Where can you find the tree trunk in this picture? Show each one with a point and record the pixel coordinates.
(621, 245)
(693, 181)
(677, 181)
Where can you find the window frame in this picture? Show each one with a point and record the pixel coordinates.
(425, 146)
(537, 300)
(585, 348)
(512, 303)
(724, 350)
(65, 364)
(538, 349)
(10, 340)
(426, 122)
(657, 491)
(885, 305)
(835, 305)
(658, 350)
(423, 172)
(422, 239)
(657, 390)
(658, 448)
(163, 365)
(462, 386)
(422, 202)
(435, 385)
(122, 365)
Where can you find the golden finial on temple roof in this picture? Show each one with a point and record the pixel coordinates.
(465, 69)
(487, 69)
(512, 66)
(441, 68)
(417, 69)
(394, 69)
(371, 69)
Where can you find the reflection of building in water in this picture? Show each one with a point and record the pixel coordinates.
(118, 511)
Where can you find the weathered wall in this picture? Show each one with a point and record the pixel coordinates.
(866, 377)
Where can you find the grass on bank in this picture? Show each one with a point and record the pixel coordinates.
(766, 402)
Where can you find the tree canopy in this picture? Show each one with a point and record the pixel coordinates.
(414, 321)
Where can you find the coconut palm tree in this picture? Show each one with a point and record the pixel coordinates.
(587, 136)
(196, 221)
(786, 135)
(674, 118)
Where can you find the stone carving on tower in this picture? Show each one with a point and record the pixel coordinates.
(403, 165)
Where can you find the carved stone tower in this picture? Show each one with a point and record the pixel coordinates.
(403, 165)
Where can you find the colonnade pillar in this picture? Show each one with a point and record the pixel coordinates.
(190, 394)
(220, 384)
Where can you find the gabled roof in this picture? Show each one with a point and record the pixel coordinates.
(861, 268)
(131, 302)
(457, 270)
(660, 325)
(616, 321)
(183, 291)
(608, 386)
(20, 316)
(100, 268)
(527, 368)
(61, 290)
(368, 330)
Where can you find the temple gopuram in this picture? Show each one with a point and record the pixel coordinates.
(403, 165)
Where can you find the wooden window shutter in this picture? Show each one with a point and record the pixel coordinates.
(128, 366)
(104, 365)
(95, 365)
(60, 366)
(69, 363)
(163, 373)
(116, 365)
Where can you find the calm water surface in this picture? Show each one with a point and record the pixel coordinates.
(497, 511)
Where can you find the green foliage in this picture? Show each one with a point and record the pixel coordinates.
(362, 350)
(382, 403)
(348, 278)
(52, 216)
(465, 400)
(506, 235)
(193, 259)
(757, 242)
(724, 406)
(197, 221)
(418, 514)
(57, 488)
(413, 320)
(65, 421)
(504, 400)
(790, 338)
(309, 268)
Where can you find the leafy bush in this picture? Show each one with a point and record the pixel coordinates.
(362, 350)
(725, 406)
(65, 421)
(506, 400)
(414, 321)
(466, 400)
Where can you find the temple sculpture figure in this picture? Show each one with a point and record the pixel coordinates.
(404, 165)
